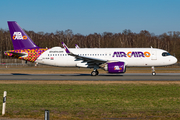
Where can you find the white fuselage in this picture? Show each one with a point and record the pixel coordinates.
(57, 56)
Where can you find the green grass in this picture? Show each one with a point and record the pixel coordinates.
(93, 101)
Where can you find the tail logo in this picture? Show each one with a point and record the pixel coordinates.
(65, 47)
(18, 36)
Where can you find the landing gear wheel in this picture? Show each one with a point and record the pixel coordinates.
(93, 73)
(97, 72)
(153, 73)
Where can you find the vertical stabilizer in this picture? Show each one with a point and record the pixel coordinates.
(19, 38)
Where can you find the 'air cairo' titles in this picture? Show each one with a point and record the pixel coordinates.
(131, 54)
(18, 36)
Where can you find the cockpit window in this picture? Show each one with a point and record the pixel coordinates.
(165, 54)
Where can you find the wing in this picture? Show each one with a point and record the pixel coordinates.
(89, 60)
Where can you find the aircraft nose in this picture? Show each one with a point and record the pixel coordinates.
(174, 60)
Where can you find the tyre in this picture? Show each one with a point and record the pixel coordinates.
(93, 73)
(153, 73)
(97, 72)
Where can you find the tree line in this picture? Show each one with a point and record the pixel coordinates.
(127, 39)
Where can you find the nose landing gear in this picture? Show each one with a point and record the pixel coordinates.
(153, 71)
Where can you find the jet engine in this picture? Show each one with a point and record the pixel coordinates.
(115, 67)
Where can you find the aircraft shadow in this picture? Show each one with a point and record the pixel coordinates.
(90, 75)
(19, 74)
(75, 75)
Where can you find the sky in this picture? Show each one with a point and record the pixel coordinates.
(92, 16)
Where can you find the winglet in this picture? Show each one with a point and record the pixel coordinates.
(66, 48)
(76, 46)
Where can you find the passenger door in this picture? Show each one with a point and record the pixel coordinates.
(153, 55)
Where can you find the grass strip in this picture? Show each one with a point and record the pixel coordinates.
(93, 101)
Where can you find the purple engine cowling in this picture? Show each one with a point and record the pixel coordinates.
(115, 67)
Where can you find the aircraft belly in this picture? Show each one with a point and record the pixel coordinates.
(64, 61)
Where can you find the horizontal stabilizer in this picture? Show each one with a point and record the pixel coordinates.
(16, 54)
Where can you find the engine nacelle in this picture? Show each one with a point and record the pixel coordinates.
(115, 67)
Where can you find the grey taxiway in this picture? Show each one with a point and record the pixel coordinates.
(88, 77)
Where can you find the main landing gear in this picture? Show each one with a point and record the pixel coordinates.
(153, 71)
(94, 73)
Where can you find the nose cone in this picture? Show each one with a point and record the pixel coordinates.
(174, 60)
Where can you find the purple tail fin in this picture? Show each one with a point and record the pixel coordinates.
(19, 38)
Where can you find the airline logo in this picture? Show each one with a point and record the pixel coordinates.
(117, 68)
(65, 47)
(131, 54)
(18, 36)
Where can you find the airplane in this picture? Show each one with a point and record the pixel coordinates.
(113, 60)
